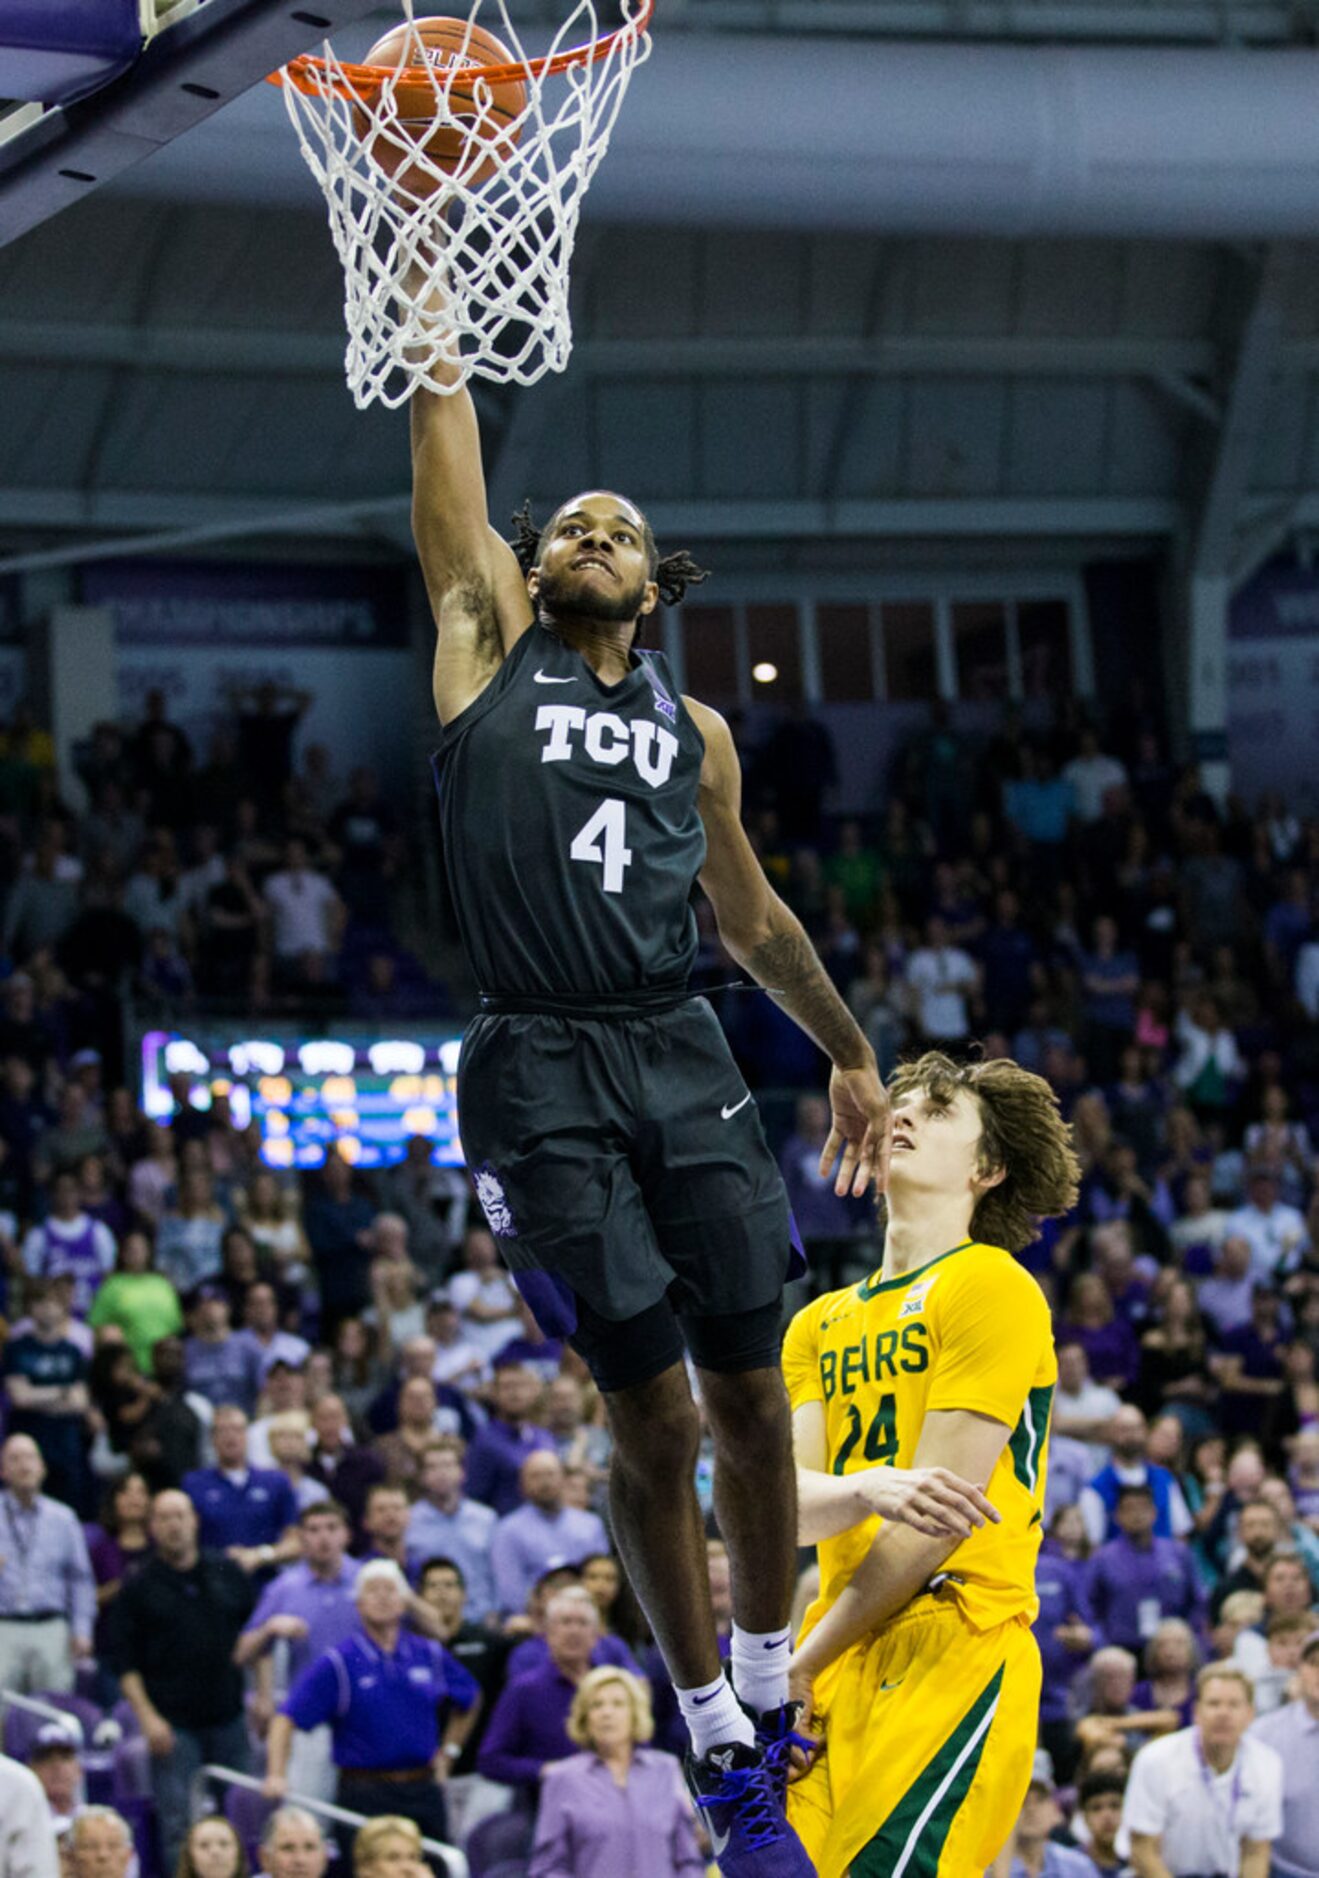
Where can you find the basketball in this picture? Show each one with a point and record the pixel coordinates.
(485, 114)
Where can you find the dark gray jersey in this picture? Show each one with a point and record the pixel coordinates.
(572, 836)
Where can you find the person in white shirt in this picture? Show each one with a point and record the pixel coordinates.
(939, 978)
(458, 1361)
(1200, 1224)
(1206, 1802)
(1083, 1408)
(70, 1244)
(483, 1295)
(1210, 1064)
(1276, 1232)
(1092, 775)
(308, 914)
(27, 1832)
(284, 1392)
(261, 1328)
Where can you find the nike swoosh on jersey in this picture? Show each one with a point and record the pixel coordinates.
(544, 678)
(725, 1114)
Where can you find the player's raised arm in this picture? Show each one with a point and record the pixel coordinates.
(477, 590)
(768, 940)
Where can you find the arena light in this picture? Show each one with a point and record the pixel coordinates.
(183, 1058)
(325, 1057)
(764, 673)
(397, 1058)
(256, 1058)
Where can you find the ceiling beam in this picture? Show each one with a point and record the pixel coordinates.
(1259, 351)
(157, 522)
(1185, 22)
(197, 351)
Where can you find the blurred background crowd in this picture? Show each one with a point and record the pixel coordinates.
(227, 1388)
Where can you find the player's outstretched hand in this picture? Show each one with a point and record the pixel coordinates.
(861, 1131)
(928, 1499)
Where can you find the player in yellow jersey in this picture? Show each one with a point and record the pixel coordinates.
(917, 1660)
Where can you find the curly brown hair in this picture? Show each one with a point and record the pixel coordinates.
(1023, 1135)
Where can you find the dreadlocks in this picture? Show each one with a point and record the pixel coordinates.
(673, 574)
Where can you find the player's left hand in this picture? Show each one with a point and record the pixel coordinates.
(801, 1689)
(862, 1130)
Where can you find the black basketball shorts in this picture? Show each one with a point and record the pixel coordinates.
(621, 1162)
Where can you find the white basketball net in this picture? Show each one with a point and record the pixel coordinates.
(493, 249)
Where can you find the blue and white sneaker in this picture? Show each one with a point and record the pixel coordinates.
(740, 1796)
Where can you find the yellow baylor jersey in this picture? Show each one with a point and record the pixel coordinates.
(969, 1330)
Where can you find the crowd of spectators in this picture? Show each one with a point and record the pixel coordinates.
(260, 1422)
(254, 876)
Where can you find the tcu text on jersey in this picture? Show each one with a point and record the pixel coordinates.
(608, 739)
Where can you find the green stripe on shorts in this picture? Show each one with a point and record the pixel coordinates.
(911, 1840)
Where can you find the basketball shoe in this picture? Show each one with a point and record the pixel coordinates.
(740, 1794)
(778, 1741)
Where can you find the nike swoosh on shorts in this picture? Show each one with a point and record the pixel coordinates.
(724, 1114)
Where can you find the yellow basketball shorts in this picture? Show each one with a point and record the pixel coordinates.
(929, 1731)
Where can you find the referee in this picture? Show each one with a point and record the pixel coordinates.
(399, 1707)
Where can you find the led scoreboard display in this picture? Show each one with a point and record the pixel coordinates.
(364, 1094)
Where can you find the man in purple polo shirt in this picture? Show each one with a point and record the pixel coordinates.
(251, 1513)
(529, 1725)
(495, 1457)
(310, 1608)
(1137, 1580)
(383, 1692)
(543, 1532)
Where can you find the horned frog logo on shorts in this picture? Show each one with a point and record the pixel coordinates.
(494, 1202)
(914, 1302)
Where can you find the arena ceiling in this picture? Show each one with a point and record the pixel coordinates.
(171, 358)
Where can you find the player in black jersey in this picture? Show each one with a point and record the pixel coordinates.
(616, 1152)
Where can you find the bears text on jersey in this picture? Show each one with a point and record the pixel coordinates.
(874, 1359)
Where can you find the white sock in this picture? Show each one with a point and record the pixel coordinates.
(714, 1717)
(760, 1667)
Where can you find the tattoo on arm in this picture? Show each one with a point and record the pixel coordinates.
(789, 968)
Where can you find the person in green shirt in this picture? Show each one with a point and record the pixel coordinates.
(857, 869)
(141, 1302)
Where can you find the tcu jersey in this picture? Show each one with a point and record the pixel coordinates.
(572, 838)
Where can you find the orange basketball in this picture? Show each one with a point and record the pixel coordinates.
(486, 113)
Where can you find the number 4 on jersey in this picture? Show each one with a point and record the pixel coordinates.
(603, 840)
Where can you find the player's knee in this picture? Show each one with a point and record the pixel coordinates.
(748, 1409)
(657, 1434)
